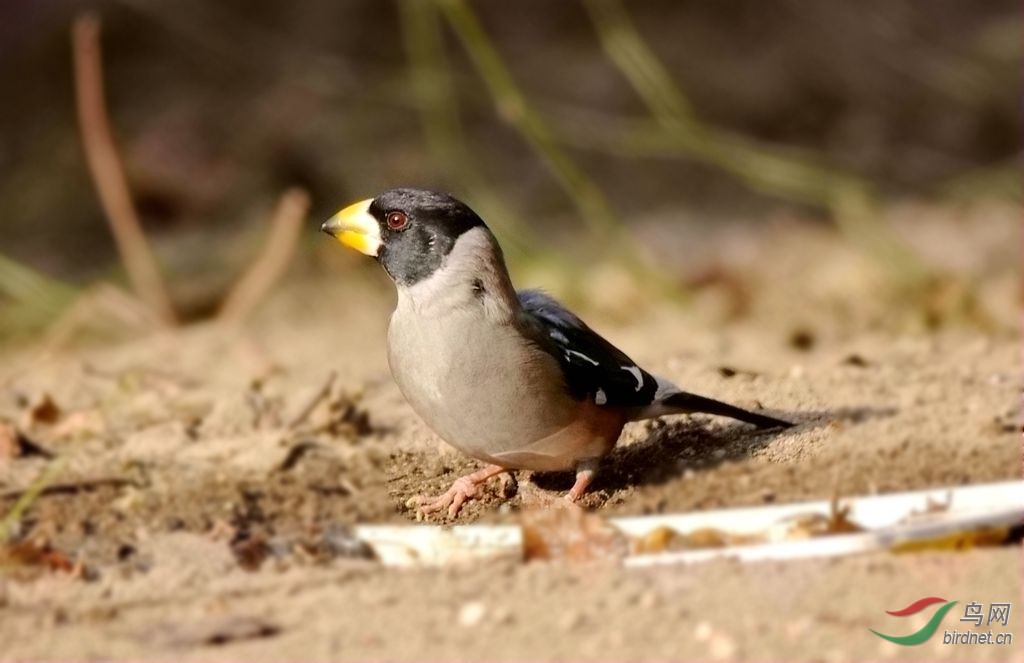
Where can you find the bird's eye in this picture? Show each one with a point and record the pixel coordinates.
(397, 220)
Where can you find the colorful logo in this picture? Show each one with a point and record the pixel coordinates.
(926, 631)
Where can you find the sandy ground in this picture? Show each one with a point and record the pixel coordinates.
(181, 450)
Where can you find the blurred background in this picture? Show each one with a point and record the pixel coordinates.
(643, 135)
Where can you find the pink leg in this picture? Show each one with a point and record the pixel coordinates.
(463, 489)
(585, 473)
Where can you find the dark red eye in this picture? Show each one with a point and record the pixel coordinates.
(397, 220)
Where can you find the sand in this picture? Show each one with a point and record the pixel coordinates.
(183, 449)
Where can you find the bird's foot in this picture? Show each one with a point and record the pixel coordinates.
(585, 473)
(464, 489)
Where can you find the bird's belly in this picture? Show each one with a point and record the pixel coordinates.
(485, 391)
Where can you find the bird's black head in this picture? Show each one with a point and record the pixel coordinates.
(409, 231)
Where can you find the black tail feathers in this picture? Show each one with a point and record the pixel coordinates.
(687, 402)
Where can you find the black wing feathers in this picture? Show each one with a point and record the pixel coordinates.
(593, 367)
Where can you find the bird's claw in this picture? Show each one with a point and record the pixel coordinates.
(462, 490)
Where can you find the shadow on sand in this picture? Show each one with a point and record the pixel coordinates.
(685, 443)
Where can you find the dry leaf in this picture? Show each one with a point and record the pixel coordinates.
(80, 424)
(38, 553)
(817, 524)
(251, 550)
(657, 540)
(708, 537)
(41, 410)
(963, 540)
(571, 534)
(662, 539)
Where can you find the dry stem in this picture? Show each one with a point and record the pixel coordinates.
(285, 225)
(108, 172)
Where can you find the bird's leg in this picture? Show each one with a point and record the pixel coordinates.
(463, 489)
(586, 470)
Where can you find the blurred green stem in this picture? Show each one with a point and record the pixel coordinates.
(29, 300)
(513, 106)
(437, 103)
(11, 518)
(29, 287)
(1000, 181)
(516, 110)
(766, 169)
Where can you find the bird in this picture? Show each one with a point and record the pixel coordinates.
(510, 378)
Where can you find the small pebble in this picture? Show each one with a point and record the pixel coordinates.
(471, 614)
(997, 379)
(722, 646)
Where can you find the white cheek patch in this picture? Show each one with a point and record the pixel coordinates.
(637, 374)
(600, 398)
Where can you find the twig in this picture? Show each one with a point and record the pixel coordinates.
(98, 304)
(1001, 180)
(437, 102)
(108, 172)
(68, 487)
(296, 452)
(764, 168)
(513, 106)
(322, 393)
(104, 302)
(26, 497)
(285, 225)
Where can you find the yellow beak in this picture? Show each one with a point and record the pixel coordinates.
(355, 227)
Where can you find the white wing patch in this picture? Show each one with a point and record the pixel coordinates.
(636, 373)
(583, 356)
(665, 388)
(600, 398)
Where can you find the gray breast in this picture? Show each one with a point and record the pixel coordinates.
(459, 360)
(480, 386)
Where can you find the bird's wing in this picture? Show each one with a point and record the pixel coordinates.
(593, 367)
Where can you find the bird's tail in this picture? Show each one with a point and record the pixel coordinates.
(682, 402)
